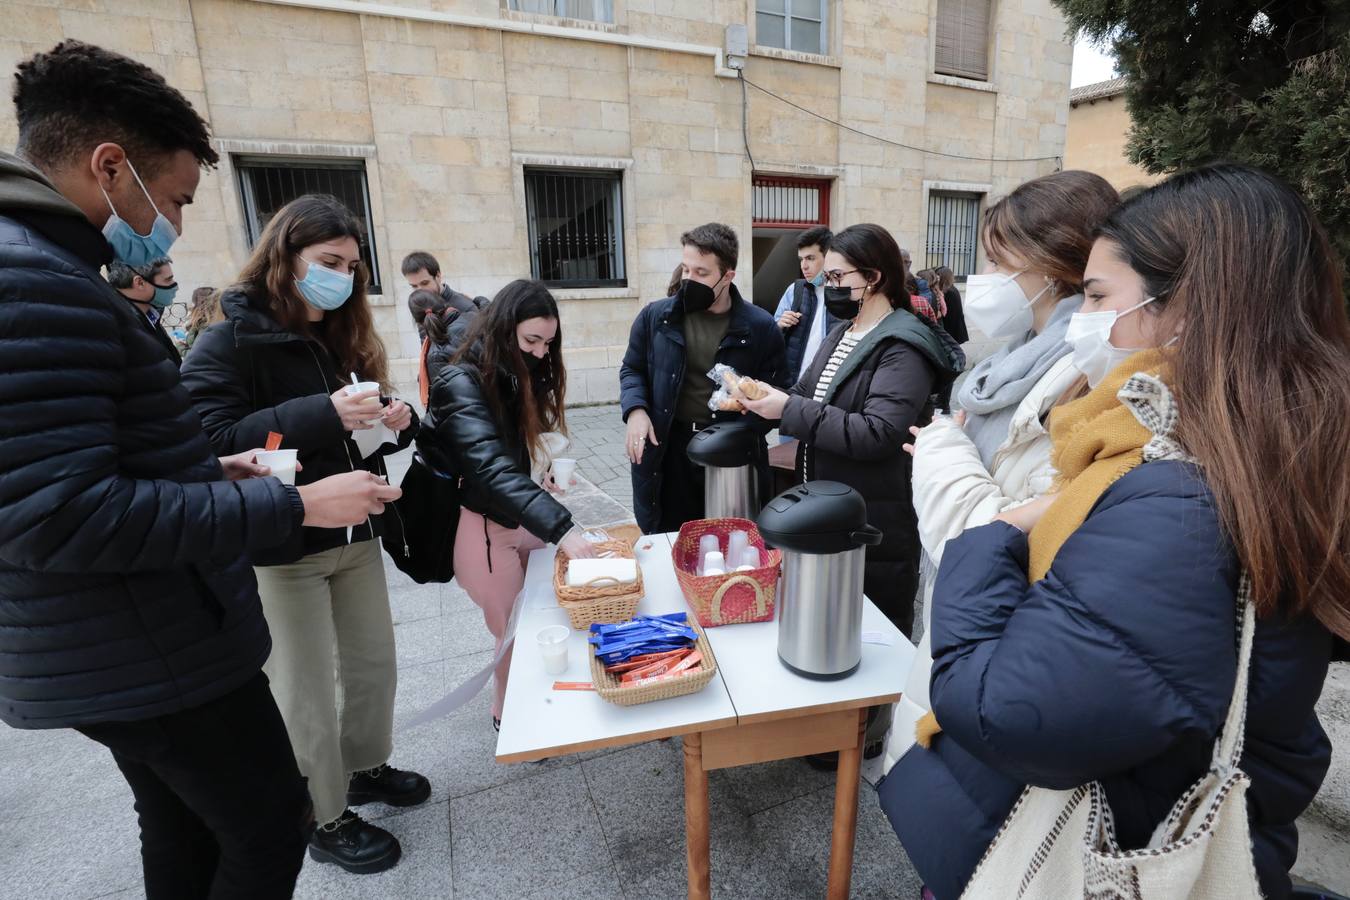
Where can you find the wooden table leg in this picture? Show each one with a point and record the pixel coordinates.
(696, 819)
(845, 814)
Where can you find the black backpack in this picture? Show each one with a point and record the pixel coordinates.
(420, 526)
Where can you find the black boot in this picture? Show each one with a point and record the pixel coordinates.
(355, 845)
(387, 785)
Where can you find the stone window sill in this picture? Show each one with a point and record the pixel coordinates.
(969, 84)
(561, 21)
(600, 293)
(813, 59)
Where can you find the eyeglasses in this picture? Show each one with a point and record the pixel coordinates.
(833, 277)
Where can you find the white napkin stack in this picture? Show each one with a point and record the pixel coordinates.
(581, 571)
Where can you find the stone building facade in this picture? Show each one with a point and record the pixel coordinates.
(461, 126)
(1099, 126)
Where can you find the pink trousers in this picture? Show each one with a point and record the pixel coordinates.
(490, 565)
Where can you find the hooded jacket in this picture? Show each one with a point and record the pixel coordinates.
(124, 589)
(856, 436)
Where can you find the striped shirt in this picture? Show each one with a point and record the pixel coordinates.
(841, 352)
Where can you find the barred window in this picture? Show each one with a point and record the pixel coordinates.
(962, 47)
(953, 232)
(575, 221)
(267, 183)
(781, 202)
(792, 25)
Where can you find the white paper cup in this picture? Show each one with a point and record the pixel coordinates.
(563, 470)
(362, 387)
(553, 648)
(281, 462)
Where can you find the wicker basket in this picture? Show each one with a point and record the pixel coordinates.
(734, 598)
(628, 532)
(603, 600)
(607, 684)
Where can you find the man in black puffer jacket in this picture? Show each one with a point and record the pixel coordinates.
(127, 608)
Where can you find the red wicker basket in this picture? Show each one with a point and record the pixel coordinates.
(733, 598)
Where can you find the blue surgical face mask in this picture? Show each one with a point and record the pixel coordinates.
(819, 279)
(324, 288)
(163, 295)
(132, 248)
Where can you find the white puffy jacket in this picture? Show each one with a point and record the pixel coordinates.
(953, 491)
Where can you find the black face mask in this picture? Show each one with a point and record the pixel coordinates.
(696, 296)
(534, 363)
(839, 303)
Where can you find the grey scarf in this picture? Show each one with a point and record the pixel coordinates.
(995, 387)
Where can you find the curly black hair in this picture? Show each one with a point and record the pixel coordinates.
(76, 96)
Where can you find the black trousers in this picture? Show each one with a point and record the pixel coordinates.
(224, 811)
(681, 481)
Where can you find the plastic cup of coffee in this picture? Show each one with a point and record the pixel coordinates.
(553, 648)
(362, 387)
(563, 470)
(281, 462)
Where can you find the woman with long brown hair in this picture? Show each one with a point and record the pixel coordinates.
(297, 326)
(995, 452)
(491, 414)
(1092, 634)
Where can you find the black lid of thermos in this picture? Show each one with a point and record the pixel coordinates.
(817, 517)
(724, 445)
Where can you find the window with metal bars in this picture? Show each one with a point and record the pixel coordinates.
(962, 39)
(792, 25)
(953, 232)
(789, 202)
(575, 219)
(267, 183)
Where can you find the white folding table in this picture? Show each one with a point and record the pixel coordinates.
(755, 710)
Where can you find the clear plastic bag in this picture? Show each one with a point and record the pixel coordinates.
(732, 388)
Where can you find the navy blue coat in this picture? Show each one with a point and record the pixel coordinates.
(1118, 666)
(653, 371)
(124, 591)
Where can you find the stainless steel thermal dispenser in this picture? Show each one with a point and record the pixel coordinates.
(822, 529)
(726, 451)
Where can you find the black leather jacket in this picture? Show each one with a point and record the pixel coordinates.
(461, 437)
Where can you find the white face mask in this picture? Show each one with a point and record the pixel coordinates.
(997, 306)
(1089, 335)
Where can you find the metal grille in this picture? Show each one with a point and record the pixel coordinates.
(268, 183)
(953, 232)
(576, 227)
(789, 202)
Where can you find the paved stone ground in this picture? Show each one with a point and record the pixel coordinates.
(594, 826)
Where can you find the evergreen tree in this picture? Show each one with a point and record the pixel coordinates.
(1265, 82)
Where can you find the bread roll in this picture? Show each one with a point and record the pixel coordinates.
(729, 404)
(729, 380)
(751, 388)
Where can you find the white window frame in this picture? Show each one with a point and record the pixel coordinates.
(788, 18)
(514, 7)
